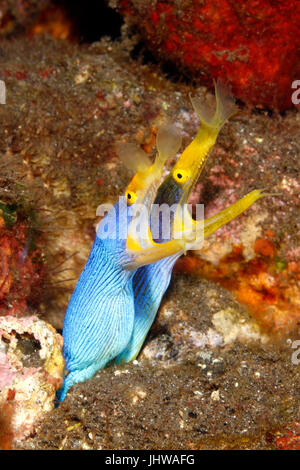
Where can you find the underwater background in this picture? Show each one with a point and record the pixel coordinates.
(220, 367)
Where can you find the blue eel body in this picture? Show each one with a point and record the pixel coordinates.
(104, 297)
(151, 282)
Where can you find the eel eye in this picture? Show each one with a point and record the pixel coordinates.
(131, 197)
(181, 176)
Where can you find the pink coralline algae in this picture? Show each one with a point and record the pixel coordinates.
(21, 269)
(31, 368)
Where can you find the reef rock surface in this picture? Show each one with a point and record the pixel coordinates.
(31, 367)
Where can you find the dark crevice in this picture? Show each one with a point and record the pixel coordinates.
(169, 69)
(92, 19)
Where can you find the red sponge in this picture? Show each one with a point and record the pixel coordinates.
(254, 45)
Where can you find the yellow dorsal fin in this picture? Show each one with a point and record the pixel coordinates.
(224, 107)
(168, 142)
(133, 157)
